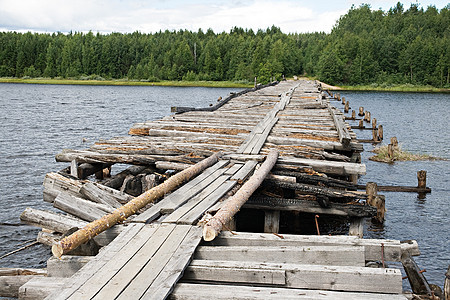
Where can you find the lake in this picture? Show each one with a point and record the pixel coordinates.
(39, 121)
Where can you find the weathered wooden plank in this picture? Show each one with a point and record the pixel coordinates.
(262, 138)
(103, 194)
(66, 266)
(233, 169)
(195, 213)
(338, 278)
(373, 247)
(316, 255)
(192, 291)
(55, 183)
(106, 255)
(50, 220)
(9, 285)
(84, 209)
(244, 172)
(331, 167)
(173, 271)
(193, 202)
(41, 287)
(156, 261)
(118, 274)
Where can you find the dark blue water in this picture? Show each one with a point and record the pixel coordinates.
(38, 121)
(420, 122)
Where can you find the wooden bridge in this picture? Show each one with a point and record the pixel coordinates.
(159, 253)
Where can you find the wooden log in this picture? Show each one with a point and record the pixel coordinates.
(47, 238)
(81, 208)
(419, 284)
(317, 180)
(307, 206)
(22, 272)
(213, 227)
(328, 167)
(361, 111)
(120, 214)
(50, 220)
(380, 132)
(149, 182)
(447, 284)
(116, 181)
(167, 165)
(54, 183)
(422, 179)
(344, 135)
(392, 188)
(271, 221)
(104, 195)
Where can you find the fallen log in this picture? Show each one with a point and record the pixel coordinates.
(94, 228)
(9, 285)
(81, 208)
(213, 227)
(316, 180)
(104, 195)
(50, 220)
(54, 183)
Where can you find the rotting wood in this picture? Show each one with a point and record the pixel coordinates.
(40, 287)
(66, 266)
(50, 220)
(120, 214)
(54, 183)
(416, 279)
(9, 285)
(213, 227)
(447, 284)
(105, 195)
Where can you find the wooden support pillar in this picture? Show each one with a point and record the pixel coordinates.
(380, 204)
(394, 142)
(367, 116)
(371, 192)
(343, 100)
(361, 111)
(422, 179)
(353, 178)
(390, 151)
(375, 135)
(353, 115)
(271, 221)
(338, 96)
(356, 227)
(380, 132)
(74, 168)
(361, 124)
(374, 123)
(346, 107)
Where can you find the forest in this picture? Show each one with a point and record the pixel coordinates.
(366, 46)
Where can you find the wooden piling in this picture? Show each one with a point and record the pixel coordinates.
(338, 96)
(380, 132)
(346, 107)
(371, 192)
(367, 116)
(447, 284)
(390, 151)
(394, 142)
(361, 111)
(353, 115)
(374, 123)
(343, 100)
(422, 179)
(380, 204)
(361, 124)
(375, 135)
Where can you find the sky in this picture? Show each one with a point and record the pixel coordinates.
(149, 16)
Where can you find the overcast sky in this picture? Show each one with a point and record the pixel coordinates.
(153, 15)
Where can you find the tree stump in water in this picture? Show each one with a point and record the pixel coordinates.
(394, 142)
(422, 179)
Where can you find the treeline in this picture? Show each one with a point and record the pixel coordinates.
(365, 46)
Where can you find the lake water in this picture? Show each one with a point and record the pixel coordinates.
(38, 121)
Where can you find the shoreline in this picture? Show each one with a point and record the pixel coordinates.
(409, 88)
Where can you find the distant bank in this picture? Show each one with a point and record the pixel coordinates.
(221, 84)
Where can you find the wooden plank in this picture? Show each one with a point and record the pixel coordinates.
(331, 167)
(233, 169)
(195, 213)
(173, 271)
(262, 139)
(105, 195)
(271, 221)
(41, 287)
(245, 170)
(373, 248)
(138, 286)
(192, 291)
(338, 278)
(66, 266)
(177, 198)
(84, 209)
(117, 275)
(318, 255)
(191, 203)
(104, 256)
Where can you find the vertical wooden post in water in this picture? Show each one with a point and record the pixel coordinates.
(74, 168)
(371, 192)
(353, 115)
(422, 179)
(361, 111)
(374, 123)
(394, 142)
(390, 151)
(346, 107)
(380, 132)
(380, 204)
(343, 100)
(375, 135)
(338, 96)
(447, 285)
(361, 124)
(367, 116)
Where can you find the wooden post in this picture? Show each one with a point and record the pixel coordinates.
(361, 124)
(380, 132)
(346, 107)
(380, 204)
(255, 81)
(375, 135)
(356, 227)
(374, 123)
(353, 115)
(447, 284)
(371, 192)
(338, 96)
(74, 168)
(394, 142)
(390, 151)
(367, 116)
(94, 228)
(343, 100)
(271, 221)
(234, 203)
(422, 179)
(361, 111)
(419, 284)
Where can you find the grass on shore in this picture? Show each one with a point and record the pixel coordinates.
(399, 155)
(125, 82)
